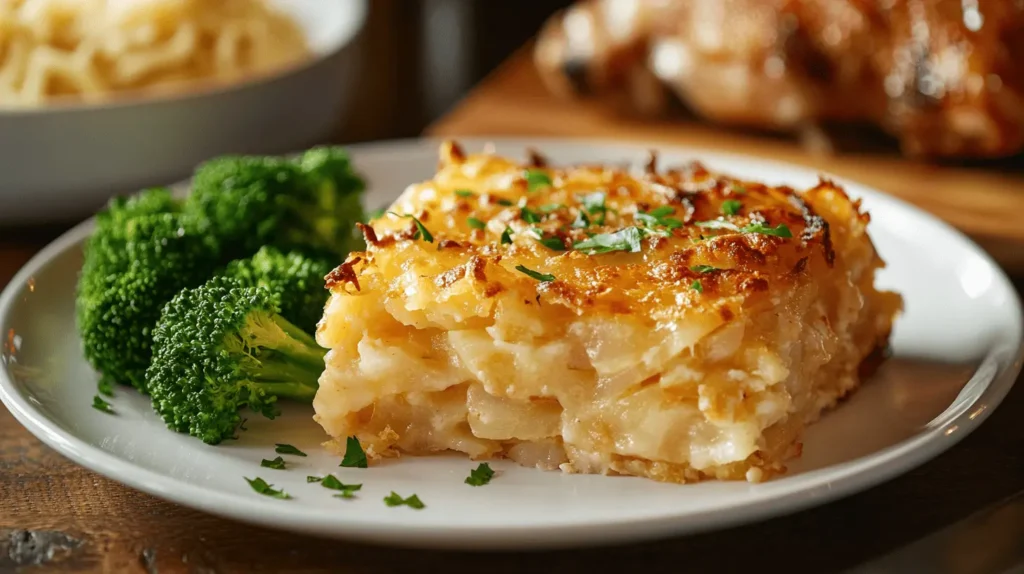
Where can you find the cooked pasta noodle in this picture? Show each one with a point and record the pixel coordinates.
(95, 49)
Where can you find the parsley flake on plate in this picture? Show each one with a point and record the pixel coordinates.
(536, 179)
(550, 207)
(101, 405)
(463, 193)
(506, 236)
(355, 457)
(105, 387)
(287, 449)
(703, 268)
(627, 239)
(542, 277)
(476, 223)
(421, 230)
(347, 490)
(276, 464)
(480, 475)
(314, 478)
(261, 487)
(505, 202)
(394, 499)
(696, 286)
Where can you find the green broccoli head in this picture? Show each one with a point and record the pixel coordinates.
(222, 346)
(295, 280)
(105, 247)
(310, 204)
(126, 282)
(146, 202)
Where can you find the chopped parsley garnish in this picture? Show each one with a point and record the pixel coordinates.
(288, 449)
(659, 217)
(581, 221)
(553, 243)
(376, 214)
(506, 236)
(536, 179)
(542, 277)
(737, 188)
(593, 202)
(355, 457)
(528, 215)
(505, 202)
(731, 206)
(102, 405)
(549, 207)
(696, 286)
(463, 193)
(105, 387)
(481, 475)
(394, 499)
(703, 268)
(718, 224)
(476, 223)
(261, 487)
(314, 478)
(347, 490)
(276, 464)
(779, 230)
(421, 229)
(627, 239)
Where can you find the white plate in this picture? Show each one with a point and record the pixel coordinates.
(60, 162)
(957, 354)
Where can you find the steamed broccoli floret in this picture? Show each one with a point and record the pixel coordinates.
(220, 347)
(104, 250)
(133, 268)
(295, 280)
(311, 203)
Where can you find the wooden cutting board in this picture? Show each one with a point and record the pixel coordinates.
(987, 203)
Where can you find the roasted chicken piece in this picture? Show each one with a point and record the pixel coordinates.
(942, 76)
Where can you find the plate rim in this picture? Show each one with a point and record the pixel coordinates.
(875, 468)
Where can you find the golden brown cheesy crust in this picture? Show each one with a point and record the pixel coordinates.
(675, 324)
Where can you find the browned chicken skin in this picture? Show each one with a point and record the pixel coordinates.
(945, 77)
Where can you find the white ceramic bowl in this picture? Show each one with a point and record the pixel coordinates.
(61, 162)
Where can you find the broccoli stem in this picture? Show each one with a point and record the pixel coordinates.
(290, 364)
(278, 368)
(288, 390)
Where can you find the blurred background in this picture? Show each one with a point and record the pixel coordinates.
(421, 57)
(921, 99)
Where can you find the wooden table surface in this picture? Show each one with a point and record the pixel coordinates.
(58, 517)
